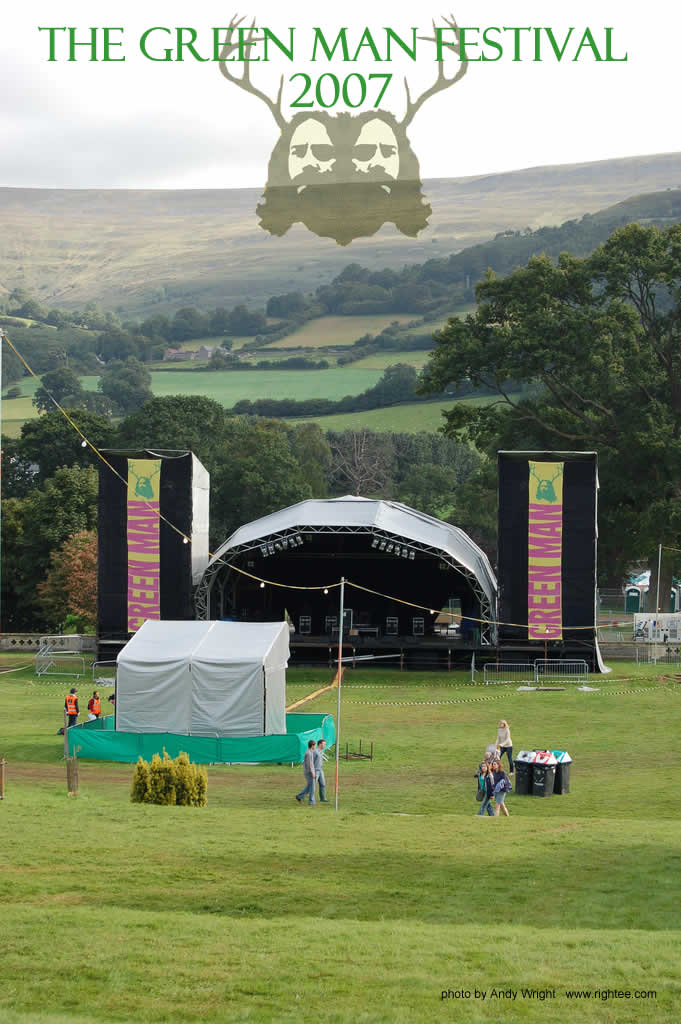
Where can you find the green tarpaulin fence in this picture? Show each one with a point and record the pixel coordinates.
(99, 741)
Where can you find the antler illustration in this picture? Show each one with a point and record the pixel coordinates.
(545, 479)
(245, 81)
(441, 82)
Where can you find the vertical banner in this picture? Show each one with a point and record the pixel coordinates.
(144, 486)
(545, 551)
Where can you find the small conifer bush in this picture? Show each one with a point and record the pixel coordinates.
(168, 782)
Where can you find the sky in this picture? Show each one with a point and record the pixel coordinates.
(148, 124)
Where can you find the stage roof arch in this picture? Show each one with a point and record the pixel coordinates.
(391, 525)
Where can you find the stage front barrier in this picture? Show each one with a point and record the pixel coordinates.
(555, 671)
(98, 740)
(511, 673)
(538, 673)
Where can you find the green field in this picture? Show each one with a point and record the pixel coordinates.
(224, 386)
(339, 330)
(409, 419)
(381, 360)
(228, 387)
(256, 909)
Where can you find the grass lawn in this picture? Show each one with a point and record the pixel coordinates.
(257, 909)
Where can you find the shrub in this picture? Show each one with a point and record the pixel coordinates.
(169, 782)
(139, 793)
(161, 780)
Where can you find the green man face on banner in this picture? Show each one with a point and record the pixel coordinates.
(143, 485)
(545, 489)
(144, 488)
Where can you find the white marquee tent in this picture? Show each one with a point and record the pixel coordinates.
(204, 679)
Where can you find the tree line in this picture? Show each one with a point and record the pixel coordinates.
(598, 338)
(257, 466)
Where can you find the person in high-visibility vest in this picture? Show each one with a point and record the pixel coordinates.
(94, 706)
(71, 706)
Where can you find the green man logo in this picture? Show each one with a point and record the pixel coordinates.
(143, 485)
(144, 488)
(545, 489)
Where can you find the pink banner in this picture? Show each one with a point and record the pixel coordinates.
(144, 566)
(545, 552)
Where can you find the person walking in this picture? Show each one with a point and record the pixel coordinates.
(310, 775)
(71, 707)
(502, 786)
(486, 785)
(505, 743)
(319, 768)
(94, 706)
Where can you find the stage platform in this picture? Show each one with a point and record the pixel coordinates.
(367, 648)
(99, 741)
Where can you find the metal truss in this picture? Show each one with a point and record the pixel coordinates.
(288, 540)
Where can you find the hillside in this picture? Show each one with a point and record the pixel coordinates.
(141, 251)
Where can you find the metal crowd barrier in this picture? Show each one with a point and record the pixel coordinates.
(538, 673)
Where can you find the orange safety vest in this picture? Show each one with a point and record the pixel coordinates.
(95, 706)
(71, 702)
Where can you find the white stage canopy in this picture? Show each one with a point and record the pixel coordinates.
(204, 679)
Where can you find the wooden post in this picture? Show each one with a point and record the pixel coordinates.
(3, 762)
(66, 735)
(72, 775)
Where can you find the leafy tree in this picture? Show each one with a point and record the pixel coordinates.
(70, 587)
(32, 310)
(49, 442)
(127, 384)
(598, 341)
(188, 323)
(398, 384)
(285, 306)
(58, 318)
(255, 473)
(117, 344)
(243, 321)
(35, 526)
(218, 321)
(311, 450)
(177, 421)
(156, 327)
(431, 489)
(63, 385)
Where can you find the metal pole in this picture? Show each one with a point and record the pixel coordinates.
(340, 676)
(2, 335)
(657, 598)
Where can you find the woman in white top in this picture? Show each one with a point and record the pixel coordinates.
(505, 743)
